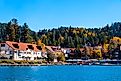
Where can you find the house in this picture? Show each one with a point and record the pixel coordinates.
(116, 52)
(73, 53)
(69, 52)
(55, 51)
(66, 51)
(20, 51)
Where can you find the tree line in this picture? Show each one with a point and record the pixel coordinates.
(69, 37)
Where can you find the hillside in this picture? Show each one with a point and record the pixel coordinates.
(63, 36)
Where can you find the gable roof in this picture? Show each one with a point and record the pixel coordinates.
(22, 46)
(49, 48)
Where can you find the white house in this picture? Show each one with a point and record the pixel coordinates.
(66, 51)
(20, 51)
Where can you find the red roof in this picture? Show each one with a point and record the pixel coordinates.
(22, 46)
(49, 48)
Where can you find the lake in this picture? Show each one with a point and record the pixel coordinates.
(60, 73)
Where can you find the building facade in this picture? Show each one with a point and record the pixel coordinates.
(20, 51)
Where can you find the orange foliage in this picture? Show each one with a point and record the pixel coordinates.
(117, 39)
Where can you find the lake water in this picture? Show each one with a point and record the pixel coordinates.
(60, 73)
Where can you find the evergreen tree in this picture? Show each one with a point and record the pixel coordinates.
(25, 34)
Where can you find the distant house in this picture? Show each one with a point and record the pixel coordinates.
(53, 48)
(55, 51)
(20, 51)
(66, 51)
(73, 53)
(69, 52)
(116, 53)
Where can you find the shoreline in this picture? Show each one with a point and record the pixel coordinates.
(90, 62)
(58, 65)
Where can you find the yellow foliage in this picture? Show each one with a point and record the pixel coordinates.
(77, 31)
(61, 37)
(98, 52)
(85, 35)
(42, 45)
(117, 39)
(39, 43)
(58, 53)
(89, 33)
(93, 34)
(105, 46)
(74, 31)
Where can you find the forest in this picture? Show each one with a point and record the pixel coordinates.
(69, 37)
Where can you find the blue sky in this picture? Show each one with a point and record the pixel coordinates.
(40, 14)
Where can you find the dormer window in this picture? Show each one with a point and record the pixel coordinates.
(30, 47)
(15, 45)
(39, 47)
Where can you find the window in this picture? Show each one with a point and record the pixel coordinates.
(15, 45)
(2, 45)
(23, 56)
(28, 52)
(68, 51)
(19, 54)
(30, 47)
(39, 47)
(34, 52)
(15, 51)
(11, 52)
